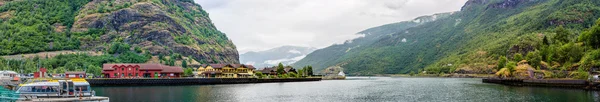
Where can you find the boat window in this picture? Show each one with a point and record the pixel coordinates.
(83, 88)
(25, 89)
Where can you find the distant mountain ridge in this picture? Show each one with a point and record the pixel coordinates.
(272, 57)
(467, 39)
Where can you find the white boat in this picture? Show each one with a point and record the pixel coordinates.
(9, 75)
(54, 88)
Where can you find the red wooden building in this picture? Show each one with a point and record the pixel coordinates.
(40, 74)
(131, 70)
(75, 74)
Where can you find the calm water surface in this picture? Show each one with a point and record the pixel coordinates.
(360, 89)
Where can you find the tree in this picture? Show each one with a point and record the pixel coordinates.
(562, 35)
(301, 72)
(511, 66)
(188, 72)
(280, 69)
(94, 70)
(137, 49)
(171, 62)
(591, 37)
(545, 41)
(534, 58)
(309, 70)
(118, 47)
(518, 57)
(501, 62)
(184, 64)
(161, 57)
(259, 74)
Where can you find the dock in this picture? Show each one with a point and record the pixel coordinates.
(558, 83)
(74, 99)
(187, 81)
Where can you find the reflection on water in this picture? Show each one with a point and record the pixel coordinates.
(355, 89)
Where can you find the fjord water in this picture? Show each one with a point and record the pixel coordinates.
(359, 89)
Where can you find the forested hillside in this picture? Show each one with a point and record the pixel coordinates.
(340, 54)
(120, 29)
(473, 39)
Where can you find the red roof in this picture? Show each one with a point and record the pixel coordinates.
(150, 66)
(172, 69)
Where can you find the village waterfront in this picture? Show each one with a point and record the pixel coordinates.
(352, 89)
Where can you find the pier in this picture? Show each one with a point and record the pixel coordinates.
(187, 81)
(559, 83)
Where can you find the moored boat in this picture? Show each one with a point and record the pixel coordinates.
(52, 88)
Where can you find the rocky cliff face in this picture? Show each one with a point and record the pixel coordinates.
(160, 26)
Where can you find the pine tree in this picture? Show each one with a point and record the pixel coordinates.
(280, 69)
(183, 63)
(310, 70)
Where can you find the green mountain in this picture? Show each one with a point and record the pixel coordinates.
(471, 39)
(159, 27)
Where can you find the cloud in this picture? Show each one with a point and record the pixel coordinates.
(255, 25)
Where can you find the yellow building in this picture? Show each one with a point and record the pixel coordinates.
(225, 71)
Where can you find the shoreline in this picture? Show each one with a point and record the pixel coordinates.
(432, 75)
(556, 83)
(189, 81)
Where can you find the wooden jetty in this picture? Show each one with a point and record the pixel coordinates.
(559, 83)
(187, 81)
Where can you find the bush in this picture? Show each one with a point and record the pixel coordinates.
(188, 72)
(138, 49)
(259, 74)
(518, 57)
(579, 74)
(118, 47)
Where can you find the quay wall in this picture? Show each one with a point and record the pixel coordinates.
(187, 81)
(560, 83)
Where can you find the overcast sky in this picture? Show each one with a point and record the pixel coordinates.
(256, 25)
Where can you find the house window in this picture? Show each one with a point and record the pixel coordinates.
(129, 69)
(122, 68)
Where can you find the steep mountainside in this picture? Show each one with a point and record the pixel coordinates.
(272, 57)
(161, 27)
(337, 54)
(473, 37)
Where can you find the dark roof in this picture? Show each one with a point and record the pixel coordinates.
(289, 69)
(249, 66)
(267, 70)
(217, 65)
(204, 65)
(235, 65)
(75, 72)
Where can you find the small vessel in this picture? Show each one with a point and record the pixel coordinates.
(56, 89)
(9, 75)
